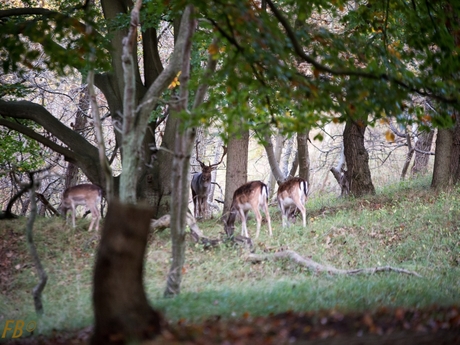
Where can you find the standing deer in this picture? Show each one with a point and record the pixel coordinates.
(250, 196)
(201, 185)
(88, 195)
(291, 196)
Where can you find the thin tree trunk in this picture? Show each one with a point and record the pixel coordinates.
(286, 157)
(410, 153)
(279, 139)
(217, 155)
(38, 289)
(274, 159)
(181, 166)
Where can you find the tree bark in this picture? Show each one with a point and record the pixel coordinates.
(442, 160)
(237, 166)
(423, 144)
(121, 309)
(357, 159)
(304, 157)
(181, 165)
(455, 158)
(71, 174)
(273, 156)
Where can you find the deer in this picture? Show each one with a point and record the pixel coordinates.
(252, 195)
(201, 185)
(291, 197)
(88, 195)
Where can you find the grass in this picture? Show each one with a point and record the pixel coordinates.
(406, 225)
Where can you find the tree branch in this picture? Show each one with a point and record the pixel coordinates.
(317, 267)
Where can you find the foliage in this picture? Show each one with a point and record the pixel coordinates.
(340, 59)
(407, 226)
(66, 34)
(19, 152)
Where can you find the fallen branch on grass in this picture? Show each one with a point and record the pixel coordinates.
(163, 223)
(317, 267)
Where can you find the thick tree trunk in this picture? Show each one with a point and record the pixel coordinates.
(455, 158)
(237, 167)
(71, 174)
(423, 144)
(304, 157)
(357, 159)
(121, 309)
(442, 160)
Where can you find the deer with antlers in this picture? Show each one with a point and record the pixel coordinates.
(250, 196)
(291, 197)
(201, 185)
(88, 195)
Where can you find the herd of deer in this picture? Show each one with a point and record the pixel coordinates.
(291, 197)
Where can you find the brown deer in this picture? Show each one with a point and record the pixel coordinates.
(88, 195)
(250, 196)
(291, 197)
(201, 185)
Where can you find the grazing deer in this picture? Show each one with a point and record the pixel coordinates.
(88, 195)
(291, 196)
(250, 196)
(201, 185)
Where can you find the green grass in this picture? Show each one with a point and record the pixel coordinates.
(405, 225)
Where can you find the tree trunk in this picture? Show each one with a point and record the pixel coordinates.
(237, 167)
(423, 144)
(455, 158)
(121, 309)
(357, 159)
(217, 155)
(304, 157)
(284, 164)
(71, 174)
(442, 160)
(274, 157)
(181, 167)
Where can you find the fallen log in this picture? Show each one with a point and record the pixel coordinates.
(317, 267)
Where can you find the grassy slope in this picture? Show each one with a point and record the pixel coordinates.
(405, 226)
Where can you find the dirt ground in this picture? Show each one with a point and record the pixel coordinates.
(435, 325)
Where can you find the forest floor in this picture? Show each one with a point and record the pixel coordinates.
(395, 326)
(435, 325)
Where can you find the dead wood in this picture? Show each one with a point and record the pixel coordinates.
(317, 267)
(197, 235)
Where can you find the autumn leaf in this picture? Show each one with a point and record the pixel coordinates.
(390, 136)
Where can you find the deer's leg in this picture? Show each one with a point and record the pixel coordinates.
(95, 216)
(258, 219)
(284, 216)
(301, 208)
(244, 229)
(267, 215)
(73, 215)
